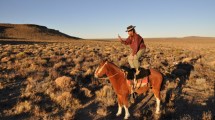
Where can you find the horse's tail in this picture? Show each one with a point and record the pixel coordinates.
(163, 82)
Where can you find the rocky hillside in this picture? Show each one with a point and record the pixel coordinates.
(31, 32)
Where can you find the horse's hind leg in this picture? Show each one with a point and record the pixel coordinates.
(158, 99)
(158, 106)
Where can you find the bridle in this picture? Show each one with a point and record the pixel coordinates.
(100, 70)
(106, 78)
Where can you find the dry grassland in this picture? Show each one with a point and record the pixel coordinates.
(56, 81)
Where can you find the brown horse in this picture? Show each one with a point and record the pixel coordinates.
(120, 85)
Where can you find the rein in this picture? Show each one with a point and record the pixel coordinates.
(108, 77)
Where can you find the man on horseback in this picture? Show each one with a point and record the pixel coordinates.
(123, 90)
(137, 45)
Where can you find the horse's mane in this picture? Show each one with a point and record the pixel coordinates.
(114, 65)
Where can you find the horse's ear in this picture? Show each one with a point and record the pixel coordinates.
(101, 60)
(110, 60)
(104, 60)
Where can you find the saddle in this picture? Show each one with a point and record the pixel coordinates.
(136, 81)
(130, 73)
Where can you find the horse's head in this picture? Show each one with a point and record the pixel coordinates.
(101, 69)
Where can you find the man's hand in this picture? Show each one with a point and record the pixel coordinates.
(132, 56)
(119, 37)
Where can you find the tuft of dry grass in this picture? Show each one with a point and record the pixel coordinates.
(64, 99)
(87, 92)
(64, 82)
(69, 115)
(1, 85)
(20, 55)
(5, 59)
(23, 107)
(102, 111)
(186, 117)
(106, 95)
(59, 65)
(207, 115)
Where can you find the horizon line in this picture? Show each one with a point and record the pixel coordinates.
(157, 37)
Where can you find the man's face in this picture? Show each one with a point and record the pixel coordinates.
(130, 33)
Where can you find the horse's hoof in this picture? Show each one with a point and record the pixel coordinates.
(126, 117)
(158, 112)
(118, 114)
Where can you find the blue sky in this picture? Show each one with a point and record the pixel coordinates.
(107, 18)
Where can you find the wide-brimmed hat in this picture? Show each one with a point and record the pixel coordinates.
(130, 27)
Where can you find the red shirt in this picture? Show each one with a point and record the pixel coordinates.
(136, 43)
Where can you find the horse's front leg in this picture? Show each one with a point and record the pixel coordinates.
(125, 102)
(119, 105)
(127, 114)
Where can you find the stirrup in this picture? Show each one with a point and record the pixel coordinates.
(132, 97)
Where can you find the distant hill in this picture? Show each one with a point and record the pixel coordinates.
(31, 32)
(198, 37)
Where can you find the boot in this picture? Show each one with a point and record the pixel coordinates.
(137, 71)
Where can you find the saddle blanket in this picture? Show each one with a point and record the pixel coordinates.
(140, 82)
